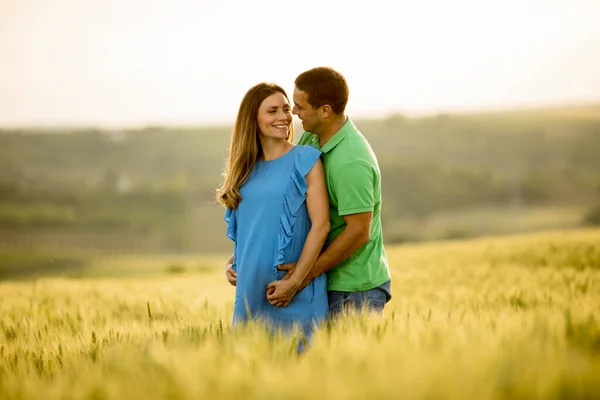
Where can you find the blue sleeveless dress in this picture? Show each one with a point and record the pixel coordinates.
(269, 227)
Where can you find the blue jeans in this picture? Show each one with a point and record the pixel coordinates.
(372, 300)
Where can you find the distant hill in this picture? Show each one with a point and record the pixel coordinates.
(515, 170)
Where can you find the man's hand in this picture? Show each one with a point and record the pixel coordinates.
(281, 292)
(230, 274)
(290, 268)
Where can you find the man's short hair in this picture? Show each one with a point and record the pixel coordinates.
(324, 85)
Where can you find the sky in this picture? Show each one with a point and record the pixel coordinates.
(139, 62)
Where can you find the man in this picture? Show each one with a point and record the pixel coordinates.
(353, 256)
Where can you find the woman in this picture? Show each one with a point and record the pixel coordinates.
(277, 213)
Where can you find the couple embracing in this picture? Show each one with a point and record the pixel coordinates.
(305, 219)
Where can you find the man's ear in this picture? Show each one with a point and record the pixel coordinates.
(326, 111)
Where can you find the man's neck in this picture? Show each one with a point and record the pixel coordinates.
(331, 129)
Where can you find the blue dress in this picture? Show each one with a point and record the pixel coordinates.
(269, 227)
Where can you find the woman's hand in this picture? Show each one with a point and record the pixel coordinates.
(281, 292)
(230, 274)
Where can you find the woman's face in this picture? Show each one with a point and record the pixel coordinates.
(275, 117)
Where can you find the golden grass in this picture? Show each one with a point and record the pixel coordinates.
(512, 317)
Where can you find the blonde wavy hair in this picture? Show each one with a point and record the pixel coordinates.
(245, 144)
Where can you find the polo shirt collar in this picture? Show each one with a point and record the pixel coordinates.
(339, 136)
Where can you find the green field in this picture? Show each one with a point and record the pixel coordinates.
(515, 317)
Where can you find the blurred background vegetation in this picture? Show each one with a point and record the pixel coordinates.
(152, 190)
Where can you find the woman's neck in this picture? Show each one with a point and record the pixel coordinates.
(273, 148)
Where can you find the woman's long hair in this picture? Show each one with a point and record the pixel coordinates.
(245, 144)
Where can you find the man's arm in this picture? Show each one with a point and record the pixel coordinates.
(356, 234)
(354, 188)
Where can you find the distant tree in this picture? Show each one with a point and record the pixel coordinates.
(593, 216)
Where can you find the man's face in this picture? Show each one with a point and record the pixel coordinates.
(307, 114)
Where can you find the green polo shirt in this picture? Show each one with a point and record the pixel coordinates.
(354, 185)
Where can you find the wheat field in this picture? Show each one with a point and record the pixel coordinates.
(515, 317)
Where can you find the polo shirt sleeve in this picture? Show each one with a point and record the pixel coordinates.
(354, 188)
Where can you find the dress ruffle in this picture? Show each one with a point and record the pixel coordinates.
(231, 219)
(295, 196)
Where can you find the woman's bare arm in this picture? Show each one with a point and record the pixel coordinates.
(280, 293)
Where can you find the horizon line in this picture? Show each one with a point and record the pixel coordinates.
(547, 106)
